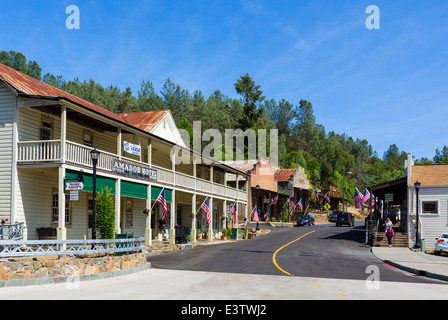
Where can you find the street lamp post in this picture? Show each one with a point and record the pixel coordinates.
(94, 154)
(256, 204)
(417, 231)
(343, 190)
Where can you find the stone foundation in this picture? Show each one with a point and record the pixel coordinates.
(47, 270)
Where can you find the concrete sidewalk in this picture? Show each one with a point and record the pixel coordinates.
(416, 262)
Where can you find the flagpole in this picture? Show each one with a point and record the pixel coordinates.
(200, 206)
(156, 200)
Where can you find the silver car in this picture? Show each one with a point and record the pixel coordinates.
(441, 244)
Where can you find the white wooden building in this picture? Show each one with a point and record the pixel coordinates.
(46, 139)
(432, 202)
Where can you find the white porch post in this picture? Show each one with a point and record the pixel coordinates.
(173, 218)
(119, 143)
(149, 152)
(117, 205)
(61, 230)
(193, 222)
(210, 225)
(148, 231)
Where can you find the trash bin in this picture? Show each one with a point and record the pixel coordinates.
(234, 235)
(123, 244)
(423, 244)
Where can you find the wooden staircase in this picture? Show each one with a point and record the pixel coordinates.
(399, 240)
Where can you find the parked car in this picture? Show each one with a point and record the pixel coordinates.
(333, 216)
(306, 220)
(441, 244)
(345, 218)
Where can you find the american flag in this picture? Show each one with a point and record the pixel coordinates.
(300, 204)
(162, 200)
(206, 208)
(274, 201)
(327, 197)
(234, 211)
(255, 214)
(359, 197)
(315, 194)
(291, 202)
(366, 196)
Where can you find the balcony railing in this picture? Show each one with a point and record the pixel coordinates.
(50, 151)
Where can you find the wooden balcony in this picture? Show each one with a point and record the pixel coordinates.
(43, 152)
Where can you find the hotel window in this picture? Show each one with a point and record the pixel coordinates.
(128, 213)
(55, 216)
(46, 130)
(88, 138)
(430, 207)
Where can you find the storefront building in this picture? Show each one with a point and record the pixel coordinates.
(47, 139)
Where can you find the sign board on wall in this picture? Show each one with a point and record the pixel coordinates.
(74, 186)
(131, 148)
(134, 170)
(389, 197)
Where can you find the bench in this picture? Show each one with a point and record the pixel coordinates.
(47, 233)
(181, 234)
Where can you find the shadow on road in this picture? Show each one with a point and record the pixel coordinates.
(355, 234)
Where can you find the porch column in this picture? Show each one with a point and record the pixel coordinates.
(63, 132)
(61, 230)
(172, 218)
(224, 222)
(210, 225)
(193, 209)
(149, 152)
(117, 205)
(119, 143)
(148, 231)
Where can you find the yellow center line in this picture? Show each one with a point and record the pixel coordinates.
(275, 253)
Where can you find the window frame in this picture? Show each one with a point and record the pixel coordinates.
(437, 205)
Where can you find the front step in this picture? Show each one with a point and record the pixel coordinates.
(399, 240)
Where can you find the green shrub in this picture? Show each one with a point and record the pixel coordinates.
(105, 214)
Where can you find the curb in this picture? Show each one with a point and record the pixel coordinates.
(418, 272)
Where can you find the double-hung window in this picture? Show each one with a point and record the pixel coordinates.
(55, 215)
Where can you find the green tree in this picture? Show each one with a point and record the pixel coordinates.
(105, 213)
(441, 156)
(252, 97)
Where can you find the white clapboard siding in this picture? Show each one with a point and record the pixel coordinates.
(432, 225)
(34, 198)
(7, 105)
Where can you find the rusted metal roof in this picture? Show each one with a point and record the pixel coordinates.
(145, 120)
(283, 174)
(27, 86)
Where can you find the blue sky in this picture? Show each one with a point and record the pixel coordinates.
(386, 86)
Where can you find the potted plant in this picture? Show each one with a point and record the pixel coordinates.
(225, 234)
(204, 234)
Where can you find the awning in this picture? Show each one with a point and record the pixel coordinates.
(101, 182)
(155, 191)
(133, 190)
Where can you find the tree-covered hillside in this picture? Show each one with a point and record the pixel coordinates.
(302, 140)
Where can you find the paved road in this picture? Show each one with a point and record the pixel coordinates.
(323, 251)
(329, 263)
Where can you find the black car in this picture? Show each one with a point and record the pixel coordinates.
(306, 220)
(345, 218)
(332, 217)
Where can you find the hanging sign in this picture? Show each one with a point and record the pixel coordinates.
(74, 186)
(133, 170)
(132, 148)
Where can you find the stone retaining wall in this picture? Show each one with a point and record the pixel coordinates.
(45, 270)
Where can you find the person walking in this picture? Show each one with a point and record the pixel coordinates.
(389, 232)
